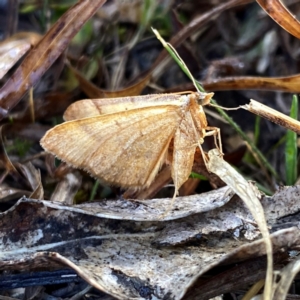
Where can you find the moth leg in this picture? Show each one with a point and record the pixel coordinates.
(205, 159)
(215, 131)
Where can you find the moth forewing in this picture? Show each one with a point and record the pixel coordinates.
(95, 107)
(185, 144)
(125, 148)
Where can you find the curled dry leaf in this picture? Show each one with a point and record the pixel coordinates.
(281, 15)
(67, 188)
(92, 91)
(285, 83)
(33, 177)
(249, 194)
(154, 209)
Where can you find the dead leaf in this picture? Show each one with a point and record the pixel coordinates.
(250, 195)
(281, 15)
(92, 91)
(117, 256)
(33, 177)
(44, 54)
(12, 49)
(8, 193)
(287, 275)
(153, 209)
(66, 189)
(284, 83)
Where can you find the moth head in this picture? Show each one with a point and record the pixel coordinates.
(204, 98)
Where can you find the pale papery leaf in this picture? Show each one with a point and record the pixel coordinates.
(159, 209)
(287, 276)
(67, 188)
(250, 195)
(116, 256)
(33, 177)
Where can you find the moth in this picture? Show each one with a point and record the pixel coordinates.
(124, 141)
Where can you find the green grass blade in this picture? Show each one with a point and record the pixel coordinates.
(94, 190)
(198, 176)
(257, 129)
(291, 147)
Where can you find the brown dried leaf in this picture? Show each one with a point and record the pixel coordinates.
(92, 91)
(285, 83)
(43, 55)
(281, 15)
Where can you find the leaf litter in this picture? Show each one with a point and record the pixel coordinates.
(126, 248)
(123, 258)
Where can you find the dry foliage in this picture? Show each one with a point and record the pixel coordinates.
(214, 238)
